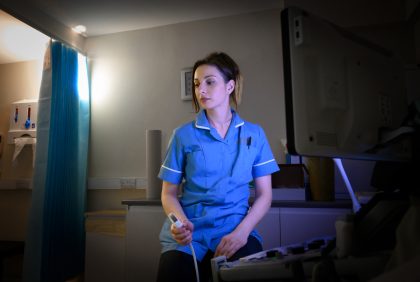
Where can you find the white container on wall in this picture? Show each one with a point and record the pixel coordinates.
(23, 119)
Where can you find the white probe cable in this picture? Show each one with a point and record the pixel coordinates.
(178, 224)
(195, 262)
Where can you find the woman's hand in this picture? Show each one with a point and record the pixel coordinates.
(231, 243)
(170, 203)
(183, 235)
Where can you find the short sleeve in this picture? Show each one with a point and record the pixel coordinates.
(172, 169)
(264, 163)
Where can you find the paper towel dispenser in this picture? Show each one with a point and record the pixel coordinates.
(23, 119)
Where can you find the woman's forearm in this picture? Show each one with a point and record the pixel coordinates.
(170, 202)
(262, 203)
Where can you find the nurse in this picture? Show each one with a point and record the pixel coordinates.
(206, 173)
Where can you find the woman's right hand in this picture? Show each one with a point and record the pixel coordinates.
(183, 235)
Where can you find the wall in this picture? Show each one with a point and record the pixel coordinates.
(17, 81)
(136, 84)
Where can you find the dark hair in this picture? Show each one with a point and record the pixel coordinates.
(229, 70)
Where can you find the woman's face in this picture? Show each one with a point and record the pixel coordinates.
(211, 90)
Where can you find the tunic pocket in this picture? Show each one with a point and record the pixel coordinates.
(242, 168)
(195, 166)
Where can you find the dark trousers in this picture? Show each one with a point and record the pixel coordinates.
(177, 266)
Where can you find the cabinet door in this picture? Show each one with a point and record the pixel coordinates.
(104, 260)
(142, 242)
(301, 224)
(269, 229)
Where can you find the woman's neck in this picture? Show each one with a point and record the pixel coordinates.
(220, 121)
(219, 118)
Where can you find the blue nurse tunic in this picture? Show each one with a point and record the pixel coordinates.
(217, 173)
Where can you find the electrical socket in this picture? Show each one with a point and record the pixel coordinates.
(128, 182)
(141, 182)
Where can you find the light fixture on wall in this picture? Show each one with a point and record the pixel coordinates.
(81, 29)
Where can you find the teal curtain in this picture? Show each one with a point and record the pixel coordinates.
(54, 249)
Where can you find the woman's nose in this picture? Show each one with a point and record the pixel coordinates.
(201, 88)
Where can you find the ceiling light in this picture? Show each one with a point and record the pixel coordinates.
(79, 29)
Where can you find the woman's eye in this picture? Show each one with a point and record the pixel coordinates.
(210, 82)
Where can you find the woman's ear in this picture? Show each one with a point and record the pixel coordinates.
(231, 86)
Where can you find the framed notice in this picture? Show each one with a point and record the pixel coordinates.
(186, 84)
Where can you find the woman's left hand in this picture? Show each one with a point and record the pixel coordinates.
(231, 243)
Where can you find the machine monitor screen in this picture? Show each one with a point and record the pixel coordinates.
(345, 97)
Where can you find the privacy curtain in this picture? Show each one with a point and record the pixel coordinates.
(54, 249)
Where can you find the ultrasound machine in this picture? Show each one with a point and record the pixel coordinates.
(345, 99)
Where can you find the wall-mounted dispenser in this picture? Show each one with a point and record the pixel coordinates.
(23, 120)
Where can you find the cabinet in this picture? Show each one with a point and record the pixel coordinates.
(301, 224)
(142, 242)
(105, 246)
(269, 229)
(285, 226)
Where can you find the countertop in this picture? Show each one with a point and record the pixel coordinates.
(337, 204)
